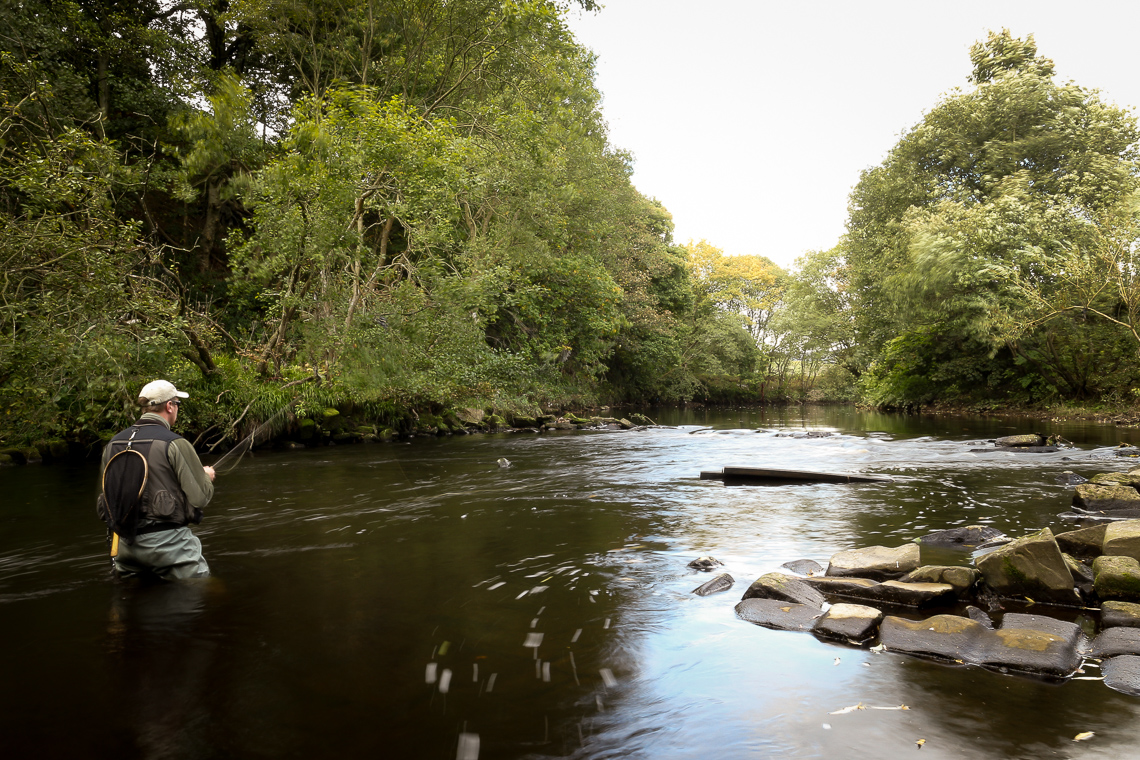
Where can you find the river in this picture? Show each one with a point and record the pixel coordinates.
(418, 600)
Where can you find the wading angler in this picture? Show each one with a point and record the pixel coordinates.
(153, 488)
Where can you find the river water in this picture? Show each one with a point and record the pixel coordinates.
(417, 600)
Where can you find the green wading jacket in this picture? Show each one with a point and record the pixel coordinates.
(177, 488)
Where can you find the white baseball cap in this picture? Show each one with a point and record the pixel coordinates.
(159, 392)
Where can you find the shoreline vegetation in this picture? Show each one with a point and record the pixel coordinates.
(374, 214)
(352, 424)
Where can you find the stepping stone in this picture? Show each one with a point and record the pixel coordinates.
(784, 588)
(855, 623)
(782, 616)
(1122, 674)
(962, 579)
(877, 563)
(1113, 642)
(1032, 567)
(1117, 578)
(1120, 614)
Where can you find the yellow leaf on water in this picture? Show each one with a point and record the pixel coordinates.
(1083, 735)
(920, 742)
(850, 709)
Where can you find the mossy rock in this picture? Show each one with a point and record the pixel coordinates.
(15, 455)
(442, 429)
(6, 459)
(1117, 578)
(306, 429)
(641, 419)
(1116, 479)
(31, 455)
(387, 434)
(494, 421)
(366, 430)
(52, 450)
(522, 421)
(571, 417)
(339, 438)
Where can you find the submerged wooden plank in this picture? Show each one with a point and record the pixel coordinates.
(760, 474)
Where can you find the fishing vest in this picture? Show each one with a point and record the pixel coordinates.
(163, 499)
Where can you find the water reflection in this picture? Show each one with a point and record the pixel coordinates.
(419, 600)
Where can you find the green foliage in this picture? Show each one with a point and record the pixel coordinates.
(997, 213)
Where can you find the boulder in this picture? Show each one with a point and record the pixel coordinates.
(1122, 674)
(1125, 614)
(1113, 642)
(1117, 578)
(961, 578)
(1028, 439)
(784, 588)
(783, 616)
(1122, 539)
(705, 564)
(855, 623)
(892, 593)
(1084, 543)
(803, 567)
(1093, 498)
(722, 582)
(947, 637)
(875, 562)
(1031, 566)
(965, 537)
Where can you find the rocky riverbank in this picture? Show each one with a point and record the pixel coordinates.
(1054, 606)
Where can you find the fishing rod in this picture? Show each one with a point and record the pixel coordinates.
(244, 445)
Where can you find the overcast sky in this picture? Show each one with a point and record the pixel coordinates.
(751, 120)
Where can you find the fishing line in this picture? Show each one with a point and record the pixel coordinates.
(243, 447)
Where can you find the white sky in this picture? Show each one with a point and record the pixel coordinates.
(751, 120)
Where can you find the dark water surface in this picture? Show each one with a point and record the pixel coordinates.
(379, 600)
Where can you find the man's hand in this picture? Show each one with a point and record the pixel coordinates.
(210, 472)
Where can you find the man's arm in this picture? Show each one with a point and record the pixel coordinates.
(196, 480)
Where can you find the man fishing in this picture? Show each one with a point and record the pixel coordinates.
(153, 487)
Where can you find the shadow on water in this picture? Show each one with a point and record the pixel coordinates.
(418, 600)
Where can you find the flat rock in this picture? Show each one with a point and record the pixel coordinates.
(1030, 651)
(891, 593)
(1031, 566)
(1113, 642)
(784, 588)
(1122, 539)
(1117, 578)
(803, 567)
(783, 616)
(1015, 646)
(1084, 543)
(1122, 674)
(948, 637)
(856, 623)
(1116, 479)
(965, 537)
(1028, 439)
(1093, 498)
(961, 578)
(1062, 629)
(1126, 614)
(722, 582)
(875, 562)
